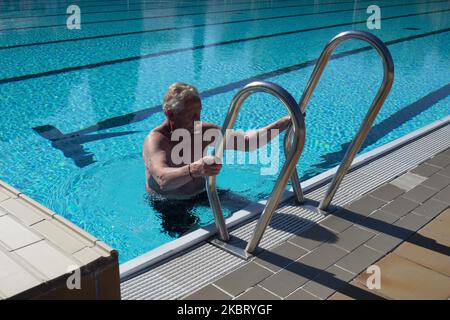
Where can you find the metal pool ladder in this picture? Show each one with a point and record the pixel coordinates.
(295, 140)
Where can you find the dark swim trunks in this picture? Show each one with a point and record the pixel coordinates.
(179, 217)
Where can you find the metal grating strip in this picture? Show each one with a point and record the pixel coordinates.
(286, 221)
(192, 270)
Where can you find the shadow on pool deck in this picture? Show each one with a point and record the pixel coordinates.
(322, 261)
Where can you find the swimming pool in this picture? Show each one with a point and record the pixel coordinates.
(76, 105)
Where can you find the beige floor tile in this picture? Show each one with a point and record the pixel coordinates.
(13, 277)
(3, 196)
(46, 259)
(53, 232)
(404, 279)
(427, 257)
(7, 192)
(340, 296)
(14, 235)
(356, 291)
(8, 188)
(87, 255)
(438, 229)
(445, 216)
(23, 212)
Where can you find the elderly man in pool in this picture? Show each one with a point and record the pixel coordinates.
(171, 178)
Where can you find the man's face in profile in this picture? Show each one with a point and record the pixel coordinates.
(185, 118)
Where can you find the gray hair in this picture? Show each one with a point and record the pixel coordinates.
(177, 95)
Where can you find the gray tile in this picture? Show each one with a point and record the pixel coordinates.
(387, 192)
(243, 278)
(365, 205)
(288, 280)
(439, 161)
(431, 208)
(279, 257)
(353, 237)
(446, 152)
(313, 237)
(412, 222)
(378, 221)
(349, 215)
(301, 294)
(445, 172)
(425, 170)
(209, 292)
(257, 293)
(359, 259)
(400, 206)
(328, 282)
(419, 194)
(389, 239)
(437, 181)
(408, 181)
(323, 257)
(335, 223)
(443, 195)
(382, 216)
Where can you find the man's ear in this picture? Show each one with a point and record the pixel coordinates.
(169, 114)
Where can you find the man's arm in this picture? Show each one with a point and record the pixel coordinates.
(171, 178)
(253, 139)
(166, 177)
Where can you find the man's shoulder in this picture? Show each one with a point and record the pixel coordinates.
(155, 138)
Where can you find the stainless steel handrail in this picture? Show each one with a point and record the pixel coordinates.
(388, 78)
(295, 180)
(295, 137)
(295, 149)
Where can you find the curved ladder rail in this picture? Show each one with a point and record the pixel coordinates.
(383, 91)
(295, 150)
(295, 180)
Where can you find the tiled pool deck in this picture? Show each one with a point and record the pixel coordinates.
(383, 202)
(39, 249)
(403, 227)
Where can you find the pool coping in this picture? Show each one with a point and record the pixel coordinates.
(165, 251)
(39, 250)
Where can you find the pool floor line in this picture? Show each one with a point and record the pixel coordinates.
(154, 8)
(182, 14)
(194, 48)
(211, 24)
(195, 26)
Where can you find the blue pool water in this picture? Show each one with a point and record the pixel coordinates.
(76, 105)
